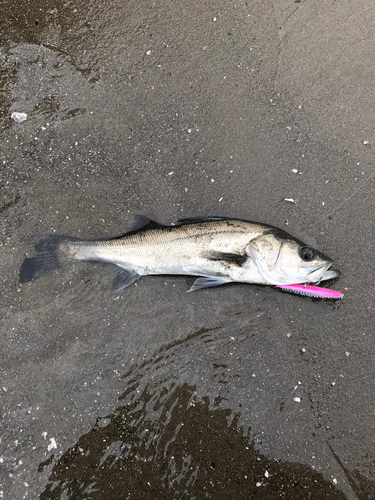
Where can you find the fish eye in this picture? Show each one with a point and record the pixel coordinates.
(306, 253)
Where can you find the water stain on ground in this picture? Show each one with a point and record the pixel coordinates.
(167, 441)
(190, 451)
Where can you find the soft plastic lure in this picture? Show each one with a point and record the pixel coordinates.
(312, 291)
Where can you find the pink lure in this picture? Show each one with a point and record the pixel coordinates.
(312, 291)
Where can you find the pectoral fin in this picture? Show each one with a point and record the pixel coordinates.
(207, 282)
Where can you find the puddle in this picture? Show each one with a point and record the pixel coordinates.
(168, 440)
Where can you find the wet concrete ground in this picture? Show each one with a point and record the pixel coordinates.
(177, 110)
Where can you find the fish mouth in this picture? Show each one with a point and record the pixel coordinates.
(322, 273)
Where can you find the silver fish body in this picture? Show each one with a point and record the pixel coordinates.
(219, 250)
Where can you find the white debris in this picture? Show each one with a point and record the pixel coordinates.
(297, 400)
(18, 117)
(258, 484)
(291, 200)
(267, 474)
(294, 170)
(335, 481)
(52, 444)
(44, 434)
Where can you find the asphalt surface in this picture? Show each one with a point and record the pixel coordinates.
(176, 110)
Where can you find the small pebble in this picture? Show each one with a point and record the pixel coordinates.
(294, 170)
(303, 349)
(297, 400)
(18, 117)
(52, 444)
(347, 353)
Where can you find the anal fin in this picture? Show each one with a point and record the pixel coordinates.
(123, 278)
(208, 281)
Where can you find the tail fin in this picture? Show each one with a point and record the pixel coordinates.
(48, 259)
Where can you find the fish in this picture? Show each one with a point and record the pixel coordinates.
(219, 250)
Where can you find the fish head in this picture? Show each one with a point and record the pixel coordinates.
(282, 259)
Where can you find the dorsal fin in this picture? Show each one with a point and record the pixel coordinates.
(140, 224)
(196, 220)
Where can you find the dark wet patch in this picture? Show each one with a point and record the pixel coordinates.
(26, 22)
(363, 487)
(45, 463)
(8, 73)
(168, 441)
(15, 200)
(73, 112)
(48, 106)
(188, 451)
